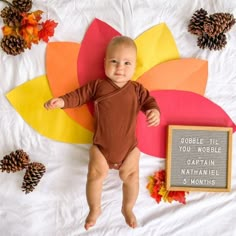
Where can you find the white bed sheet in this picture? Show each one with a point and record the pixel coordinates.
(58, 205)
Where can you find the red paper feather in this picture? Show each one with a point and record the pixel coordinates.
(178, 108)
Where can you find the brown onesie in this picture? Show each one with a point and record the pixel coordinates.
(116, 111)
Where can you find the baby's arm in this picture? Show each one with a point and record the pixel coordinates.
(153, 117)
(54, 103)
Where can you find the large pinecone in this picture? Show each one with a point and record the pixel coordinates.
(15, 161)
(22, 5)
(218, 23)
(213, 43)
(33, 174)
(13, 45)
(11, 16)
(197, 21)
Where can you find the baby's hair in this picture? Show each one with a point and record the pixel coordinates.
(119, 40)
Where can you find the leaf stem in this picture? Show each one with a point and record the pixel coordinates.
(8, 3)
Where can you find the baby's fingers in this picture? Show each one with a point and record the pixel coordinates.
(51, 104)
(153, 122)
(47, 105)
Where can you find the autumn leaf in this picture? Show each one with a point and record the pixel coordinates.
(156, 196)
(178, 196)
(47, 30)
(31, 18)
(29, 27)
(7, 30)
(150, 184)
(30, 34)
(165, 194)
(160, 175)
(37, 14)
(157, 189)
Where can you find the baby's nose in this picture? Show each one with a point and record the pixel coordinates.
(119, 65)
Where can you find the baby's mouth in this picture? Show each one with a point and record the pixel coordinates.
(118, 74)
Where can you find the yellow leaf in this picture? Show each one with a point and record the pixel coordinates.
(37, 14)
(28, 100)
(164, 193)
(154, 46)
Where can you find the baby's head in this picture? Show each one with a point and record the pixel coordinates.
(120, 60)
(120, 41)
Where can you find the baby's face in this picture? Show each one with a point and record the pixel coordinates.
(120, 64)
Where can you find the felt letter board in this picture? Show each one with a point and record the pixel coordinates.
(199, 158)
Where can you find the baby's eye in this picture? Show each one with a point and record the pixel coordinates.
(113, 61)
(127, 63)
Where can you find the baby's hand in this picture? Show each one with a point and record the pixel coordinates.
(153, 117)
(54, 103)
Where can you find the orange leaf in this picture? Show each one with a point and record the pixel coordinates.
(28, 19)
(8, 30)
(58, 69)
(30, 34)
(47, 30)
(187, 74)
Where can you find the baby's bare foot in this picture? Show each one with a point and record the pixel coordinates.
(129, 218)
(92, 218)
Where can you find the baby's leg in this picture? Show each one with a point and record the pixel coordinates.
(129, 174)
(97, 171)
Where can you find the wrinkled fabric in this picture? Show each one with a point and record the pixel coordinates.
(57, 206)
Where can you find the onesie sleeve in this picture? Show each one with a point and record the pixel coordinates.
(146, 101)
(80, 96)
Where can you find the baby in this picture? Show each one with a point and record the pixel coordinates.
(117, 102)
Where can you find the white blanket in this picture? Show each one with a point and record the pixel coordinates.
(57, 207)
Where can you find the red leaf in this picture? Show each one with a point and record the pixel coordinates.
(178, 108)
(92, 52)
(178, 196)
(47, 30)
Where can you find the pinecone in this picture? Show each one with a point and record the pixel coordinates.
(218, 23)
(213, 43)
(197, 21)
(22, 5)
(32, 176)
(11, 16)
(13, 45)
(15, 161)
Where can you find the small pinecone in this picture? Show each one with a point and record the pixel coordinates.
(11, 16)
(197, 21)
(218, 23)
(15, 161)
(22, 5)
(13, 45)
(213, 43)
(33, 174)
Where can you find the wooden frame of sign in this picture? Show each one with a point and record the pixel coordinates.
(199, 158)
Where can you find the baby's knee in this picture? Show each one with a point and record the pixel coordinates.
(96, 174)
(129, 175)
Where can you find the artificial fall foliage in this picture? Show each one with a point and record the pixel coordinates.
(158, 191)
(23, 25)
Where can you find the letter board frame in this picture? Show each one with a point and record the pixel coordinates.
(199, 158)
